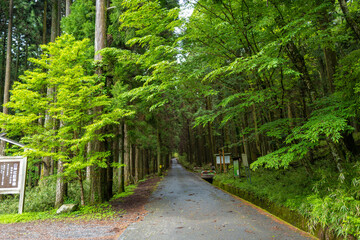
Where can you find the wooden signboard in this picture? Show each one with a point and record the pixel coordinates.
(227, 159)
(12, 177)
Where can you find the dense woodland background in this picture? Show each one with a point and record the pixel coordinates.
(130, 82)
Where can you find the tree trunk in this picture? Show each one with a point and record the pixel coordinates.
(7, 70)
(121, 158)
(352, 23)
(147, 162)
(132, 163)
(44, 23)
(190, 158)
(126, 156)
(210, 133)
(17, 58)
(54, 20)
(100, 27)
(108, 177)
(97, 187)
(198, 147)
(158, 153)
(325, 20)
(82, 193)
(137, 163)
(58, 32)
(154, 163)
(96, 177)
(50, 90)
(8, 58)
(3, 67)
(257, 139)
(330, 62)
(67, 7)
(60, 186)
(116, 152)
(88, 168)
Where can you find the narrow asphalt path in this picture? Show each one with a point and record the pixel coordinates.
(186, 207)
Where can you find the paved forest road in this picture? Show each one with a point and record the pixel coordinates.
(185, 207)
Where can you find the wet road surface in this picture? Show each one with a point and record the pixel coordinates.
(186, 207)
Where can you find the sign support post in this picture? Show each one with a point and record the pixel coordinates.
(223, 153)
(222, 159)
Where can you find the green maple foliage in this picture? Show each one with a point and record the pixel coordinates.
(65, 66)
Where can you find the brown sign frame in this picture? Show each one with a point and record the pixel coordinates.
(227, 158)
(21, 178)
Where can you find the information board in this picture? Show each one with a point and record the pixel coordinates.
(12, 177)
(227, 159)
(9, 174)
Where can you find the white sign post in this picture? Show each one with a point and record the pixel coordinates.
(12, 177)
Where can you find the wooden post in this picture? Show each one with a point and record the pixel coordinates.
(220, 160)
(23, 184)
(223, 154)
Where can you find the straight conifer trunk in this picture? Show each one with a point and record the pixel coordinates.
(352, 23)
(126, 156)
(45, 170)
(3, 66)
(121, 158)
(96, 173)
(158, 153)
(44, 22)
(67, 7)
(7, 70)
(60, 186)
(137, 163)
(8, 58)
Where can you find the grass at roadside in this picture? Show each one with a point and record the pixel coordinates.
(97, 212)
(325, 197)
(129, 190)
(38, 198)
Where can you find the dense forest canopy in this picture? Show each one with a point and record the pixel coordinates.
(276, 80)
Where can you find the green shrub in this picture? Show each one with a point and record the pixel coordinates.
(326, 198)
(37, 199)
(129, 190)
(42, 198)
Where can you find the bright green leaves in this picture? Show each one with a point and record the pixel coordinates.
(278, 129)
(348, 75)
(319, 126)
(155, 62)
(152, 22)
(282, 157)
(60, 88)
(81, 22)
(327, 123)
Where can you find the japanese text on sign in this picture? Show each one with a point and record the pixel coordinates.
(9, 174)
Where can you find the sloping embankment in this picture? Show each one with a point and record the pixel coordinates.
(290, 216)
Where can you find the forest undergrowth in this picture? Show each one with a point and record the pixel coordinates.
(39, 204)
(324, 197)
